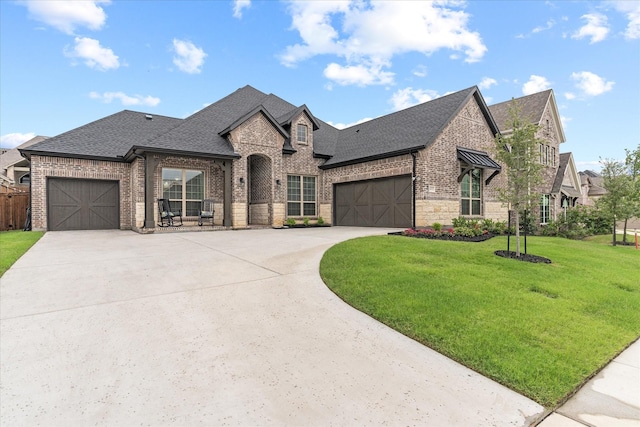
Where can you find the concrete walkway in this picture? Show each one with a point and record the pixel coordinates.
(610, 399)
(221, 328)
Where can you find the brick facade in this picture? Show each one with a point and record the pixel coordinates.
(44, 167)
(259, 177)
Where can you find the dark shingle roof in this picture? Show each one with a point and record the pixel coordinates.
(108, 138)
(402, 132)
(532, 107)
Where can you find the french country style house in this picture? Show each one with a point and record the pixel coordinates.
(263, 161)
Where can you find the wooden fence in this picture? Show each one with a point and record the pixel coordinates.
(13, 210)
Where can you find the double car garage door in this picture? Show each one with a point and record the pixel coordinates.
(82, 204)
(382, 202)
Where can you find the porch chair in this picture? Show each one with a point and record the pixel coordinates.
(206, 212)
(167, 217)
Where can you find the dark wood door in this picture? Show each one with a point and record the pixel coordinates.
(82, 204)
(384, 202)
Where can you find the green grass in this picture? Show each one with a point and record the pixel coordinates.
(540, 329)
(13, 244)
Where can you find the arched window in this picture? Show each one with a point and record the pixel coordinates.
(25, 179)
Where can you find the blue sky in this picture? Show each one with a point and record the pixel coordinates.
(65, 64)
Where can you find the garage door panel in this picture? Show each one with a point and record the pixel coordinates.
(80, 204)
(374, 203)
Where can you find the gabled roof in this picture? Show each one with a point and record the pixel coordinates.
(566, 166)
(11, 157)
(402, 132)
(532, 107)
(288, 118)
(108, 138)
(259, 109)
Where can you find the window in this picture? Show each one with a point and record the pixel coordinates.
(553, 156)
(471, 192)
(301, 195)
(302, 134)
(541, 146)
(544, 208)
(184, 188)
(25, 179)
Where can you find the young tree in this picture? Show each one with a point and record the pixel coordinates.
(518, 150)
(632, 164)
(618, 185)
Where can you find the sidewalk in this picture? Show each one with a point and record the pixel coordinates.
(611, 398)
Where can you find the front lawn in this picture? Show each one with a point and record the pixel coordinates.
(13, 244)
(540, 329)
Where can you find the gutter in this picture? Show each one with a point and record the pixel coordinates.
(374, 157)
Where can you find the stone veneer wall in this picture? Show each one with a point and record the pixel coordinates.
(43, 167)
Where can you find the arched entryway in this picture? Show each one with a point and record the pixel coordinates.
(260, 183)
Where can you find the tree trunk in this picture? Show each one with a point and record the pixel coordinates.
(614, 231)
(517, 233)
(624, 236)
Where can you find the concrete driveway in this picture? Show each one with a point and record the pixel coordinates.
(219, 328)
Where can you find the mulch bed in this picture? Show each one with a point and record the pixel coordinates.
(481, 238)
(454, 238)
(523, 257)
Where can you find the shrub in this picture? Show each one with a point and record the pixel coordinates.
(291, 222)
(437, 226)
(460, 222)
(305, 221)
(320, 221)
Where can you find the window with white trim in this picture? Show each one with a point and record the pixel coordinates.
(184, 188)
(301, 195)
(545, 200)
(471, 193)
(302, 134)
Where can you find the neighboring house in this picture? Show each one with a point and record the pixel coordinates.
(264, 160)
(561, 184)
(592, 187)
(14, 169)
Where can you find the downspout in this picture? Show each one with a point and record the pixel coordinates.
(139, 156)
(413, 188)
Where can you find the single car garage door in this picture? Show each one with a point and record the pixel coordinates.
(382, 202)
(82, 204)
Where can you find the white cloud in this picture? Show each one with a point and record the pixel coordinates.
(125, 99)
(348, 125)
(407, 97)
(535, 84)
(94, 55)
(189, 58)
(591, 84)
(420, 71)
(238, 5)
(632, 10)
(565, 121)
(67, 15)
(360, 75)
(487, 82)
(12, 140)
(570, 95)
(539, 29)
(372, 33)
(596, 28)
